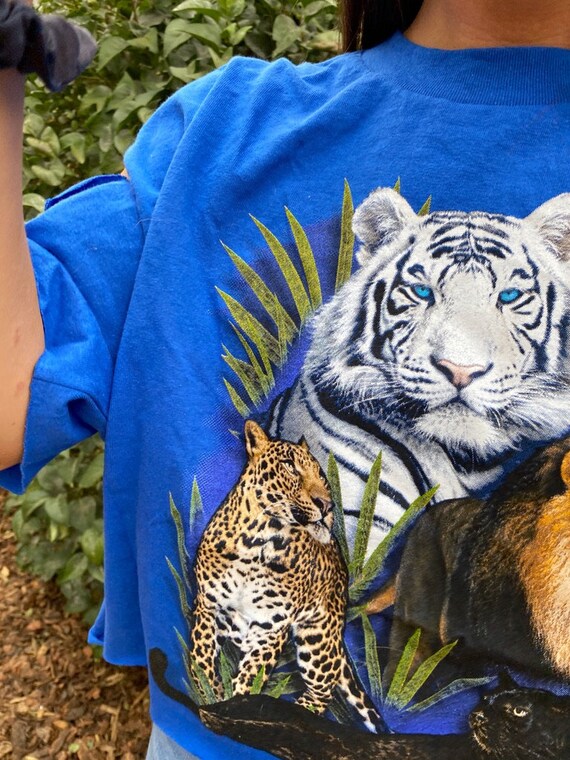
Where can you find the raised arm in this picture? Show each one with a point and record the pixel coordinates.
(21, 331)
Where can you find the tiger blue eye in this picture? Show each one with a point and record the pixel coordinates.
(509, 295)
(423, 291)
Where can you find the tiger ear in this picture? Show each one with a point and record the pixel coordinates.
(256, 441)
(552, 220)
(379, 220)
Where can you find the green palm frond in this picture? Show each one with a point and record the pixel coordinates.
(264, 349)
(237, 400)
(307, 260)
(403, 668)
(265, 343)
(246, 373)
(196, 505)
(264, 374)
(372, 662)
(421, 675)
(287, 267)
(190, 683)
(346, 247)
(403, 689)
(182, 581)
(265, 296)
(425, 209)
(185, 607)
(258, 681)
(338, 514)
(226, 675)
(376, 560)
(365, 519)
(280, 685)
(455, 687)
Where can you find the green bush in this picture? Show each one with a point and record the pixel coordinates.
(58, 525)
(147, 49)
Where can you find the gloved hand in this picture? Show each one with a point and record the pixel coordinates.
(50, 46)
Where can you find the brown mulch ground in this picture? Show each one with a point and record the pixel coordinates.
(56, 701)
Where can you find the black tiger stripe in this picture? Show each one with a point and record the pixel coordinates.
(384, 488)
(541, 348)
(328, 401)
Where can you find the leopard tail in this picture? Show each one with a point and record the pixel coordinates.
(352, 691)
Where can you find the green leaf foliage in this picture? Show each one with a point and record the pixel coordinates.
(58, 524)
(366, 518)
(372, 662)
(147, 50)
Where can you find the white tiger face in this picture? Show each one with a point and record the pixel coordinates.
(457, 324)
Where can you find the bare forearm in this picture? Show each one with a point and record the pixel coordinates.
(21, 332)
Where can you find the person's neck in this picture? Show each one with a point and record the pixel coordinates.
(458, 24)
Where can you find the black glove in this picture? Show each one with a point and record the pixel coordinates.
(49, 46)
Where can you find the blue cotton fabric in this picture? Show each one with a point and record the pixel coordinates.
(129, 275)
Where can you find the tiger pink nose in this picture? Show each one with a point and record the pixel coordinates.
(459, 375)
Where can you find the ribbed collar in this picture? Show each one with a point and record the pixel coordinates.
(493, 76)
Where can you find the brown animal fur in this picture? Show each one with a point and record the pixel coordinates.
(494, 574)
(268, 569)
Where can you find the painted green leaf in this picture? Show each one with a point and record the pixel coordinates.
(424, 211)
(237, 400)
(192, 687)
(192, 692)
(292, 278)
(226, 675)
(246, 374)
(339, 531)
(265, 380)
(196, 505)
(372, 662)
(366, 518)
(403, 668)
(398, 185)
(307, 260)
(185, 607)
(422, 674)
(262, 339)
(258, 681)
(376, 560)
(346, 247)
(205, 685)
(180, 539)
(264, 295)
(455, 687)
(280, 686)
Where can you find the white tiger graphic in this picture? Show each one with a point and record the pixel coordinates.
(447, 350)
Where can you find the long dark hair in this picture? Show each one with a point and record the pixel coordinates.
(365, 23)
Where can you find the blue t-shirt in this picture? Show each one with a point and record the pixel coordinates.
(228, 279)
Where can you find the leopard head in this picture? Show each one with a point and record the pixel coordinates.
(288, 482)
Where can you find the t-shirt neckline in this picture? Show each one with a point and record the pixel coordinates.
(487, 76)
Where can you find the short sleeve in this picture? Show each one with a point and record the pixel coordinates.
(85, 249)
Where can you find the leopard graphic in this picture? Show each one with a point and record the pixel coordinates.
(268, 569)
